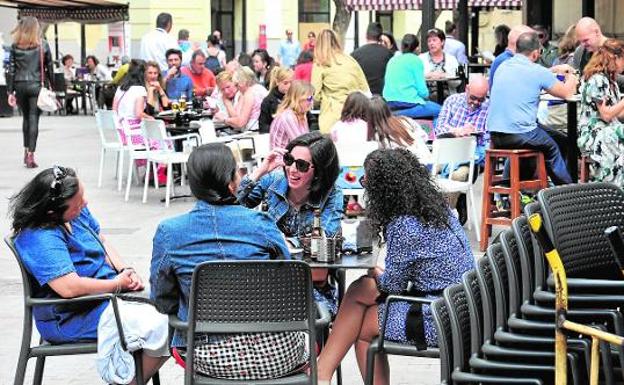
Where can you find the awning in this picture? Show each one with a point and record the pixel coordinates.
(79, 11)
(397, 5)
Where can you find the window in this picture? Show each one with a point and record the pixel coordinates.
(314, 11)
(385, 19)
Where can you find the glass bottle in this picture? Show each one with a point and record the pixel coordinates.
(317, 235)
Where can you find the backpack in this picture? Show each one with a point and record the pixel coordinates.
(212, 63)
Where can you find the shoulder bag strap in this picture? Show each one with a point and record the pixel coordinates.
(41, 62)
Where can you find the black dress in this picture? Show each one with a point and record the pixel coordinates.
(267, 110)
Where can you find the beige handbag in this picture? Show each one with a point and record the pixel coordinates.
(46, 101)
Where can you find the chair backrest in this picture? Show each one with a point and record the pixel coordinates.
(475, 305)
(501, 283)
(576, 217)
(452, 152)
(155, 133)
(58, 82)
(459, 312)
(207, 131)
(262, 143)
(442, 319)
(251, 297)
(28, 283)
(486, 283)
(354, 156)
(105, 122)
(540, 269)
(512, 261)
(520, 227)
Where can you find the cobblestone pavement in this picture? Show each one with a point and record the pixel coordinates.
(74, 141)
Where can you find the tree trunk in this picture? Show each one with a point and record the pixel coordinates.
(341, 20)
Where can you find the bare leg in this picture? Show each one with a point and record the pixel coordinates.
(370, 330)
(359, 298)
(150, 366)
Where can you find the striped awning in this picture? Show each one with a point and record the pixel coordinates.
(80, 11)
(398, 5)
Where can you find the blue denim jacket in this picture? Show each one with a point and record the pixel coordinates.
(207, 233)
(273, 189)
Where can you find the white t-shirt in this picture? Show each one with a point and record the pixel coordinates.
(351, 132)
(127, 99)
(155, 44)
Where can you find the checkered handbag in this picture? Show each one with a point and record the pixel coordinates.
(252, 356)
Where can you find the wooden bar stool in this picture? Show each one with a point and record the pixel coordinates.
(586, 161)
(491, 186)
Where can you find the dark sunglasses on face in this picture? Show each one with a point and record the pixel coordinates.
(300, 164)
(57, 184)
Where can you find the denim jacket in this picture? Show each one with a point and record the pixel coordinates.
(206, 233)
(273, 189)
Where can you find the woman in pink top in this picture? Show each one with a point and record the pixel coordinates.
(303, 69)
(290, 120)
(244, 115)
(352, 128)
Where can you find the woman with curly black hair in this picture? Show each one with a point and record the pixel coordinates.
(426, 247)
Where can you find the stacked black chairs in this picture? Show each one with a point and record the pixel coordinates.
(45, 349)
(454, 365)
(229, 297)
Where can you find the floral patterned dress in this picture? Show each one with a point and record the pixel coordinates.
(602, 141)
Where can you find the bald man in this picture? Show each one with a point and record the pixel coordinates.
(465, 113)
(462, 115)
(510, 50)
(590, 38)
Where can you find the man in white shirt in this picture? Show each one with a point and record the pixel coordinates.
(452, 45)
(154, 44)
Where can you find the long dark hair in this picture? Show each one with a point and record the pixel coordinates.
(386, 128)
(398, 184)
(43, 201)
(211, 168)
(324, 159)
(135, 75)
(355, 107)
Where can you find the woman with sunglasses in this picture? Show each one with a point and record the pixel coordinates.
(59, 242)
(291, 117)
(294, 182)
(426, 246)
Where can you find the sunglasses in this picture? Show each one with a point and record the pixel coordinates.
(309, 99)
(476, 99)
(300, 164)
(56, 186)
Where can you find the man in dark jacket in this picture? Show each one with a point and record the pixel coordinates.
(373, 58)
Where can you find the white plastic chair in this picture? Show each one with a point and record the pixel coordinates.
(453, 152)
(354, 156)
(135, 152)
(111, 142)
(154, 131)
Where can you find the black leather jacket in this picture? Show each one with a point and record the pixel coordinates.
(25, 65)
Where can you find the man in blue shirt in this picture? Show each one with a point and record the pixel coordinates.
(289, 50)
(176, 82)
(512, 117)
(509, 51)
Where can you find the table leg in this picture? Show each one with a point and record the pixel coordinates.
(440, 88)
(573, 153)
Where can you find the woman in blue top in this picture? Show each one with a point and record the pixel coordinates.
(59, 243)
(426, 247)
(218, 228)
(293, 183)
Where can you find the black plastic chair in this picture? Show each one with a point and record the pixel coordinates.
(453, 363)
(380, 345)
(229, 297)
(46, 349)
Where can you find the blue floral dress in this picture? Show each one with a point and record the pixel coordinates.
(431, 259)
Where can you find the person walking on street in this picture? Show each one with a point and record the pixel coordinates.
(155, 44)
(30, 55)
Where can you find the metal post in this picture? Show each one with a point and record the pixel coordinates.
(588, 8)
(56, 51)
(428, 22)
(462, 28)
(356, 28)
(83, 45)
(474, 30)
(244, 42)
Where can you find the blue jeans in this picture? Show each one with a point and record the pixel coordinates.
(539, 140)
(427, 110)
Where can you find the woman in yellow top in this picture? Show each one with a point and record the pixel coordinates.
(334, 76)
